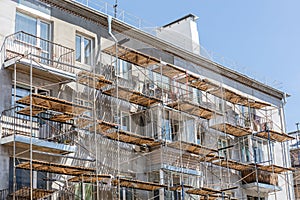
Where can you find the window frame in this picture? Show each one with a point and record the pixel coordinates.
(38, 28)
(222, 143)
(82, 49)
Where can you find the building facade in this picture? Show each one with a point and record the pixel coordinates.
(94, 108)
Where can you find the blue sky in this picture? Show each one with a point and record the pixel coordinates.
(262, 37)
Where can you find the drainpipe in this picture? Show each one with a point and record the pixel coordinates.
(109, 20)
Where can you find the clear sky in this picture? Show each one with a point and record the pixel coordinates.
(261, 36)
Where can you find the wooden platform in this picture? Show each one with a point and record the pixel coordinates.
(135, 184)
(223, 93)
(231, 129)
(92, 80)
(91, 178)
(44, 103)
(56, 168)
(62, 118)
(193, 109)
(236, 98)
(132, 56)
(131, 138)
(132, 96)
(231, 164)
(273, 168)
(203, 191)
(192, 148)
(24, 193)
(279, 137)
(169, 70)
(180, 187)
(196, 82)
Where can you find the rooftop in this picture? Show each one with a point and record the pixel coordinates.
(98, 12)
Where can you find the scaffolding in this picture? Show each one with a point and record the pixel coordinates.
(133, 126)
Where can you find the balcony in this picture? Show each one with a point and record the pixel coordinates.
(267, 182)
(45, 136)
(45, 56)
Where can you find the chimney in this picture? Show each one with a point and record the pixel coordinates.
(182, 32)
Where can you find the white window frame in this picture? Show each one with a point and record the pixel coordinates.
(82, 52)
(38, 32)
(222, 143)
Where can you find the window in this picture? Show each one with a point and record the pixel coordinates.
(223, 143)
(245, 152)
(189, 136)
(254, 198)
(258, 151)
(37, 37)
(83, 50)
(125, 121)
(124, 69)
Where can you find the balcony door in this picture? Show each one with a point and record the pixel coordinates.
(36, 38)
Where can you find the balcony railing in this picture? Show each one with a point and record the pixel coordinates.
(43, 52)
(11, 122)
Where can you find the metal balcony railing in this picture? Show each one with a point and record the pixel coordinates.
(43, 52)
(11, 122)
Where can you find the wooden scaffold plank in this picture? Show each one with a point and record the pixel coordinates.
(232, 164)
(194, 109)
(132, 96)
(230, 129)
(93, 80)
(56, 168)
(135, 184)
(91, 178)
(44, 102)
(203, 191)
(192, 148)
(24, 193)
(279, 137)
(132, 56)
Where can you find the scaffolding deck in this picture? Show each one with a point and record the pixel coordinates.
(180, 187)
(203, 191)
(135, 184)
(91, 178)
(232, 164)
(131, 138)
(132, 96)
(93, 80)
(43, 102)
(24, 193)
(132, 56)
(279, 137)
(274, 168)
(194, 109)
(235, 98)
(231, 129)
(169, 70)
(56, 168)
(192, 148)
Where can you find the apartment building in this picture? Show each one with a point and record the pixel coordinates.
(95, 108)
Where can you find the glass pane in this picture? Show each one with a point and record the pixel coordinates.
(45, 36)
(87, 51)
(78, 48)
(26, 24)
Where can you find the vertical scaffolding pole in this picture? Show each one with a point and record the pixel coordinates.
(31, 129)
(14, 147)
